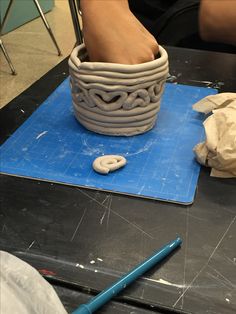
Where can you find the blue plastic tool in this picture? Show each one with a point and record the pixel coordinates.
(104, 296)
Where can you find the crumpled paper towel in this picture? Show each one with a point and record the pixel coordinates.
(23, 290)
(219, 149)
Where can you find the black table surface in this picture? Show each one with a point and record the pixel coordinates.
(82, 240)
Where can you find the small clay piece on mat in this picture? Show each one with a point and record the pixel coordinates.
(117, 99)
(107, 163)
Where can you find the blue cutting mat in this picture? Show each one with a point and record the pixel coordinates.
(51, 145)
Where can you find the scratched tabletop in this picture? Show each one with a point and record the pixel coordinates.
(82, 240)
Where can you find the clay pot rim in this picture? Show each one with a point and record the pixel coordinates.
(126, 68)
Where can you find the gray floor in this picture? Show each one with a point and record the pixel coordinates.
(32, 51)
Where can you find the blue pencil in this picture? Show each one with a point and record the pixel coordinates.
(104, 296)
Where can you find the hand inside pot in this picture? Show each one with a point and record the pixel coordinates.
(113, 34)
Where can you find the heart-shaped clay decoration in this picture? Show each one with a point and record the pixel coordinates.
(108, 101)
(86, 98)
(155, 91)
(140, 98)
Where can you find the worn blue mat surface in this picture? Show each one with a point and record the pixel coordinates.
(51, 145)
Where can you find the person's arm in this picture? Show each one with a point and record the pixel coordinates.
(217, 21)
(113, 34)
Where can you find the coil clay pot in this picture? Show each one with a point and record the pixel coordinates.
(116, 99)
